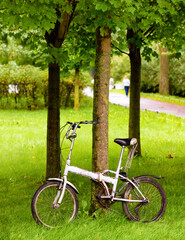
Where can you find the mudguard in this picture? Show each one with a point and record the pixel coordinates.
(150, 176)
(61, 180)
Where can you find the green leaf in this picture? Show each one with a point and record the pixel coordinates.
(68, 8)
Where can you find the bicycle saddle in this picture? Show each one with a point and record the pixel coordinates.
(126, 142)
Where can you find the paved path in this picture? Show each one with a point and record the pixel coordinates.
(145, 104)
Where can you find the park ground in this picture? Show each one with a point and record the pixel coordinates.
(23, 162)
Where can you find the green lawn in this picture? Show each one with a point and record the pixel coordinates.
(22, 168)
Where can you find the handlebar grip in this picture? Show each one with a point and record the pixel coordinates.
(95, 122)
(83, 122)
(89, 122)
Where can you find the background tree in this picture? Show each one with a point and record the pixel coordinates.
(164, 71)
(144, 25)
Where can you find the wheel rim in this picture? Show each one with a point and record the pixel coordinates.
(50, 216)
(145, 212)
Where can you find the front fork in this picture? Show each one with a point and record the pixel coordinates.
(60, 194)
(63, 190)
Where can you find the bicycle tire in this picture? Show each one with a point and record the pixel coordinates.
(42, 205)
(145, 212)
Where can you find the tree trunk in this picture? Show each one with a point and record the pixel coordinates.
(76, 97)
(134, 110)
(53, 126)
(55, 37)
(100, 108)
(164, 71)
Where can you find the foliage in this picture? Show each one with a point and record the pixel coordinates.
(148, 19)
(79, 47)
(151, 21)
(12, 51)
(23, 17)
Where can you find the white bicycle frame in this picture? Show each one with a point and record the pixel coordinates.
(97, 176)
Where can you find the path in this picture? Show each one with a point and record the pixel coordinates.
(145, 104)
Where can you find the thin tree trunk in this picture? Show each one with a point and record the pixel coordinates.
(164, 71)
(134, 110)
(53, 125)
(100, 108)
(76, 97)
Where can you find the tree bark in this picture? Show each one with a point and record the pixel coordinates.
(100, 108)
(164, 71)
(134, 110)
(53, 125)
(76, 97)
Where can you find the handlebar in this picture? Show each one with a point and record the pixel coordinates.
(83, 122)
(74, 125)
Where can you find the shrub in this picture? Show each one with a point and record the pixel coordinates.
(32, 87)
(30, 83)
(150, 76)
(177, 75)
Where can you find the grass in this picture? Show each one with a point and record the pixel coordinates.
(22, 168)
(158, 97)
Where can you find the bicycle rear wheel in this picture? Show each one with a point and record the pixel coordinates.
(43, 210)
(145, 212)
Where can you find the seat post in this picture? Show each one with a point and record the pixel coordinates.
(117, 171)
(120, 160)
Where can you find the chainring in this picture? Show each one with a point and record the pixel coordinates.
(106, 203)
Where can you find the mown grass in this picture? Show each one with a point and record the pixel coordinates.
(155, 96)
(22, 168)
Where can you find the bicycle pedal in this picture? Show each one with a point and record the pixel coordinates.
(97, 196)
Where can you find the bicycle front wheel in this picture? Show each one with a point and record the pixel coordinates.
(145, 212)
(43, 210)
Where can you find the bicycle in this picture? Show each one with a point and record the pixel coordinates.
(143, 198)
